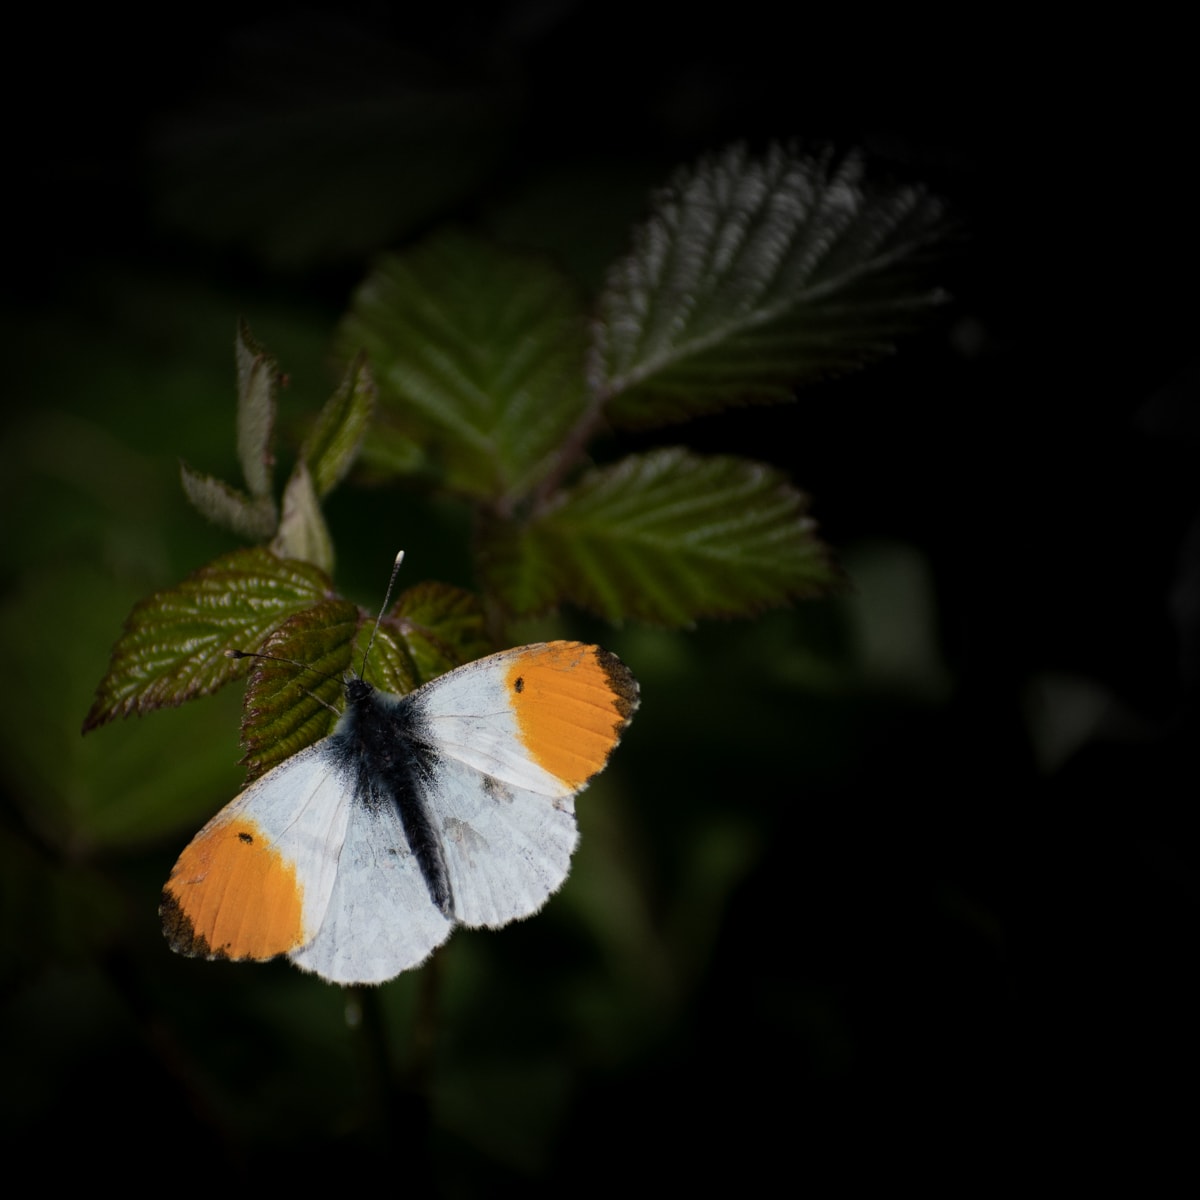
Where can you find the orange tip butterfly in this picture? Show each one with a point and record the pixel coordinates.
(452, 805)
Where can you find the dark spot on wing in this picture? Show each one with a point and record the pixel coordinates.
(245, 837)
(519, 683)
(497, 790)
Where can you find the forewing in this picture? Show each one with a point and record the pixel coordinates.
(257, 879)
(543, 718)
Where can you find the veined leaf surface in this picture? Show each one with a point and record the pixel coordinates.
(755, 275)
(479, 354)
(665, 537)
(173, 645)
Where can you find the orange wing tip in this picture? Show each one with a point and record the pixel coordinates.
(572, 703)
(233, 895)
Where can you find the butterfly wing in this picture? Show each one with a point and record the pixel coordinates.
(380, 919)
(518, 735)
(477, 770)
(545, 716)
(507, 849)
(257, 879)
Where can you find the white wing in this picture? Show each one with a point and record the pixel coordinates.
(380, 918)
(507, 849)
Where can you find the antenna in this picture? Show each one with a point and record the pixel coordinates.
(291, 662)
(386, 597)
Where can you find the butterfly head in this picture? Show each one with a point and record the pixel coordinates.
(357, 690)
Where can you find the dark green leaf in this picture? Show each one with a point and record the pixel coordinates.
(479, 355)
(289, 704)
(332, 446)
(257, 378)
(174, 643)
(753, 276)
(665, 537)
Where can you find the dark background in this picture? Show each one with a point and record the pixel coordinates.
(902, 881)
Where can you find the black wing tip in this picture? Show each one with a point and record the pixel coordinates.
(179, 931)
(626, 692)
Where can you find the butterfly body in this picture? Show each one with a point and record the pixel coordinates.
(452, 805)
(383, 749)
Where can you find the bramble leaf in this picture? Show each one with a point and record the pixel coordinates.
(664, 537)
(284, 709)
(441, 626)
(478, 353)
(303, 533)
(255, 515)
(215, 500)
(332, 445)
(753, 276)
(257, 378)
(173, 645)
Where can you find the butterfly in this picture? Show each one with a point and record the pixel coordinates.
(452, 805)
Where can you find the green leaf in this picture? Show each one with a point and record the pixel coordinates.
(257, 377)
(332, 446)
(441, 627)
(173, 645)
(303, 533)
(665, 537)
(753, 276)
(478, 353)
(288, 703)
(223, 505)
